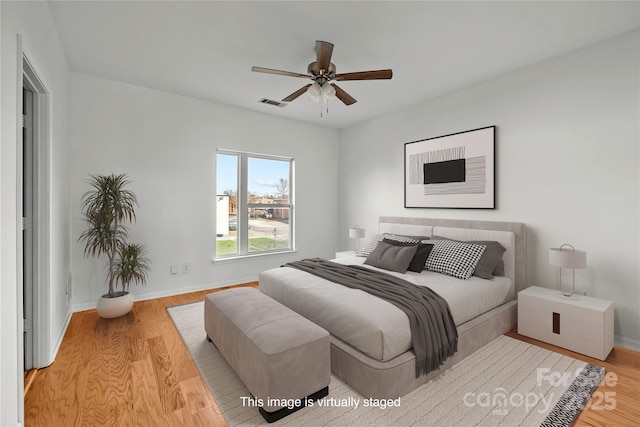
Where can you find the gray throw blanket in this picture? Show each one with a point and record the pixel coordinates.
(433, 332)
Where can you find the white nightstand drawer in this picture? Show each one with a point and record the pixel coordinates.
(567, 325)
(568, 341)
(578, 323)
(553, 302)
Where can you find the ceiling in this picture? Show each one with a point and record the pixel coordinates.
(205, 49)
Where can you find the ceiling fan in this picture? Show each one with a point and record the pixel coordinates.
(322, 72)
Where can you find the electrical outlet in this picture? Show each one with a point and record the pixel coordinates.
(186, 267)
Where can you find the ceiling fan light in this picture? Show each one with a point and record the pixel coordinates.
(328, 91)
(314, 92)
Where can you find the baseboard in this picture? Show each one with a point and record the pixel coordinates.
(627, 342)
(58, 343)
(47, 356)
(63, 331)
(170, 293)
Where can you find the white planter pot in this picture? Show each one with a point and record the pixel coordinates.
(108, 308)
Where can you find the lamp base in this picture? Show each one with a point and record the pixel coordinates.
(568, 294)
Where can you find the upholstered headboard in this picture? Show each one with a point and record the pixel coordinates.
(512, 235)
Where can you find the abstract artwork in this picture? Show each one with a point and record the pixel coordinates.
(451, 171)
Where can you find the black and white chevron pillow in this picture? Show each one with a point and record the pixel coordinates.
(457, 259)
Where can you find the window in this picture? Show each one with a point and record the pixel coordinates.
(254, 213)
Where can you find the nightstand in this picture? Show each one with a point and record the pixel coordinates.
(344, 254)
(578, 323)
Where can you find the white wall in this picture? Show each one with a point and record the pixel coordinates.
(567, 165)
(40, 42)
(167, 144)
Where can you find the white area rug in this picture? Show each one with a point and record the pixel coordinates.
(506, 383)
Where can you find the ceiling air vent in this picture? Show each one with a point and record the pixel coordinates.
(272, 102)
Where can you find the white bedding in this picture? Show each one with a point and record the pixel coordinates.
(374, 326)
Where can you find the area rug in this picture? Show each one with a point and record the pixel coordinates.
(506, 383)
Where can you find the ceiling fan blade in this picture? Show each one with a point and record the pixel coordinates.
(296, 94)
(343, 96)
(278, 72)
(365, 75)
(324, 50)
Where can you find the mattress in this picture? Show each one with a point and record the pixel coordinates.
(373, 326)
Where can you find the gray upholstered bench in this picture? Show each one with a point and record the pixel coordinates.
(281, 357)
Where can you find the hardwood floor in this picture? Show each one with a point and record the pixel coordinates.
(132, 370)
(135, 370)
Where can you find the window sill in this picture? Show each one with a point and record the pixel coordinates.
(248, 256)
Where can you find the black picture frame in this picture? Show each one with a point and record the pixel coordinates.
(451, 171)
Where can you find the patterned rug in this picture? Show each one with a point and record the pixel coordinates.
(506, 383)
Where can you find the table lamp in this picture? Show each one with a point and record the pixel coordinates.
(356, 233)
(567, 257)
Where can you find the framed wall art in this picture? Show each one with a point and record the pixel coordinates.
(451, 171)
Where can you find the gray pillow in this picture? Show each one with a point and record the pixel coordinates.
(419, 261)
(390, 257)
(499, 270)
(490, 260)
(396, 237)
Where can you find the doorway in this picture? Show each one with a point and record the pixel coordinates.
(27, 222)
(33, 247)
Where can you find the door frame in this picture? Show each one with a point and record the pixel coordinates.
(28, 76)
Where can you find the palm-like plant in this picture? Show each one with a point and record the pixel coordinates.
(131, 265)
(107, 206)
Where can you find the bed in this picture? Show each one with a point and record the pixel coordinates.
(370, 338)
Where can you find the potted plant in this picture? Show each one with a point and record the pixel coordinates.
(107, 207)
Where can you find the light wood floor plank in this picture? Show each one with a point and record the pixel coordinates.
(168, 387)
(121, 415)
(135, 370)
(196, 394)
(208, 417)
(95, 408)
(146, 404)
(180, 418)
(47, 414)
(120, 369)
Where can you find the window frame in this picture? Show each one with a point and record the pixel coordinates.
(243, 205)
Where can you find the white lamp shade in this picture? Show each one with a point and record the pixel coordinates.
(567, 258)
(314, 92)
(356, 232)
(328, 91)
